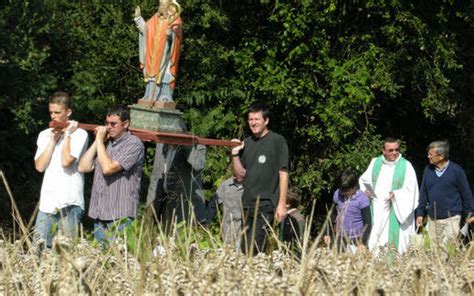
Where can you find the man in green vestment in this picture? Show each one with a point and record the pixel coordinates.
(390, 181)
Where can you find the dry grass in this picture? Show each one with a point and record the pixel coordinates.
(81, 269)
(189, 267)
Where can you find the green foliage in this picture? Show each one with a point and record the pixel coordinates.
(214, 123)
(193, 237)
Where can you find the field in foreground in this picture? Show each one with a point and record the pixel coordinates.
(72, 269)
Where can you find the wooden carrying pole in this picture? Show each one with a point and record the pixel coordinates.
(158, 137)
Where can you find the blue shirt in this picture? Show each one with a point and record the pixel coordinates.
(445, 196)
(349, 213)
(439, 172)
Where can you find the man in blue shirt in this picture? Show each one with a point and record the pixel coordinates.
(445, 195)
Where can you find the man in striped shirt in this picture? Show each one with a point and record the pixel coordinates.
(117, 174)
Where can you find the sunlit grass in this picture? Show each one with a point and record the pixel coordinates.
(192, 261)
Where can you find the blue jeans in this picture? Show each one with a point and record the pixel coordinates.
(106, 230)
(66, 219)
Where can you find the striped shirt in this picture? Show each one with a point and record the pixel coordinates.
(116, 196)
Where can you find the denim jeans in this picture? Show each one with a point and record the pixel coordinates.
(106, 230)
(66, 219)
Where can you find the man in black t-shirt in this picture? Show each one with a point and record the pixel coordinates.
(261, 162)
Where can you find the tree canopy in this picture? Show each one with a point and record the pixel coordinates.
(338, 76)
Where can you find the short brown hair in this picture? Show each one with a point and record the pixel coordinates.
(260, 107)
(293, 197)
(119, 110)
(61, 97)
(390, 140)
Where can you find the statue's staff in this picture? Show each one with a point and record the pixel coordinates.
(158, 137)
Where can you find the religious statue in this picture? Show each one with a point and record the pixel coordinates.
(160, 40)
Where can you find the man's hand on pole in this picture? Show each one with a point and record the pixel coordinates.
(71, 128)
(237, 149)
(101, 133)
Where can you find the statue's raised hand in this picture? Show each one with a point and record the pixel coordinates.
(137, 11)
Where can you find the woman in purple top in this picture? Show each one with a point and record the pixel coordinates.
(352, 215)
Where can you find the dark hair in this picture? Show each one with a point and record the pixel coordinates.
(61, 97)
(293, 197)
(348, 180)
(119, 110)
(260, 107)
(389, 140)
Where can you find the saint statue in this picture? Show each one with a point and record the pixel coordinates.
(160, 40)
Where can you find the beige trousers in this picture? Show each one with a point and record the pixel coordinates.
(443, 230)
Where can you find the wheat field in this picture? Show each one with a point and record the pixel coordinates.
(184, 268)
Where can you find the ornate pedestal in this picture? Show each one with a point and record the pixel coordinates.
(152, 116)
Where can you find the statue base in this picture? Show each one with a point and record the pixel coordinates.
(157, 104)
(147, 115)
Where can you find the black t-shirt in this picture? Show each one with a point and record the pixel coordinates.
(262, 159)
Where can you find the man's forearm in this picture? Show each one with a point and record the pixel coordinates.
(238, 168)
(66, 158)
(283, 188)
(466, 194)
(281, 211)
(104, 160)
(42, 162)
(86, 164)
(421, 208)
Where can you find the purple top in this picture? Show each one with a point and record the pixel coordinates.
(116, 196)
(349, 213)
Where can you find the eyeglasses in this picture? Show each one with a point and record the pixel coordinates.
(111, 123)
(394, 150)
